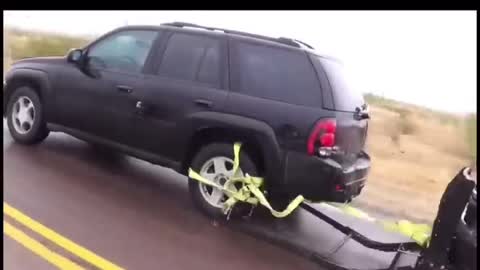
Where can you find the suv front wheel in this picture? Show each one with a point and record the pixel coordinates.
(215, 162)
(25, 116)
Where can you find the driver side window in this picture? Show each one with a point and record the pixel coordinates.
(123, 51)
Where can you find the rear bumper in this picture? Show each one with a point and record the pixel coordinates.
(324, 179)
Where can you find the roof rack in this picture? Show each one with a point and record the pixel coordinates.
(301, 42)
(283, 40)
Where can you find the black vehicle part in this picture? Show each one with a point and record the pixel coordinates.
(359, 237)
(35, 79)
(206, 154)
(38, 131)
(283, 40)
(238, 128)
(452, 205)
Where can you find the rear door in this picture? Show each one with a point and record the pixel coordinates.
(188, 75)
(347, 103)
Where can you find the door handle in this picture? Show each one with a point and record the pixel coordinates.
(140, 108)
(124, 88)
(204, 102)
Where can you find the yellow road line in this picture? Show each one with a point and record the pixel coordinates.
(58, 239)
(39, 249)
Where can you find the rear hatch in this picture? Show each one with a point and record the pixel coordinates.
(351, 111)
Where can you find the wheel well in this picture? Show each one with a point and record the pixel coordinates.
(210, 135)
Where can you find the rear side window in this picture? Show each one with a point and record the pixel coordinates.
(346, 97)
(192, 58)
(274, 73)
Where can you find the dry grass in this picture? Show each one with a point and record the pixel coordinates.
(414, 156)
(19, 44)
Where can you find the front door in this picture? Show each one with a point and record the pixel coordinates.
(100, 98)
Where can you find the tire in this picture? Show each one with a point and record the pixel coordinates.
(203, 159)
(27, 124)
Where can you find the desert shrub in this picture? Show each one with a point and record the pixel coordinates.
(406, 124)
(395, 138)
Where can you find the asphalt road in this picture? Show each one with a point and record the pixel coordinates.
(129, 212)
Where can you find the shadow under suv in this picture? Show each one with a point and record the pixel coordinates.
(179, 95)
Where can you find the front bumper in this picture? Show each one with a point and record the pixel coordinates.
(324, 179)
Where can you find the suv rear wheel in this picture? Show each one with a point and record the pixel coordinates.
(215, 162)
(25, 116)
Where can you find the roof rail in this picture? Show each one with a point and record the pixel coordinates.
(184, 24)
(301, 42)
(286, 41)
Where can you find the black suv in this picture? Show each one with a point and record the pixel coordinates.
(180, 94)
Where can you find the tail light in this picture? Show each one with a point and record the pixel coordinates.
(323, 135)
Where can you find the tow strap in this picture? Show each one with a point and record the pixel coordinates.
(250, 193)
(420, 233)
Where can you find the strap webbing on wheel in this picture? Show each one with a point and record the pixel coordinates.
(250, 191)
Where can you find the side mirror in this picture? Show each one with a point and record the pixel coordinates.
(75, 56)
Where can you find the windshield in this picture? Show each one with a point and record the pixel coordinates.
(346, 97)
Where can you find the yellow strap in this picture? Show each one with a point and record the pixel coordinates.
(420, 233)
(355, 212)
(263, 201)
(236, 157)
(192, 174)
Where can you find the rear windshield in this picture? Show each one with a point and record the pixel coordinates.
(346, 97)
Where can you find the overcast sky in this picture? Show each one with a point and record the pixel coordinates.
(423, 57)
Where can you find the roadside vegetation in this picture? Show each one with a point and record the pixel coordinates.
(415, 152)
(19, 44)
